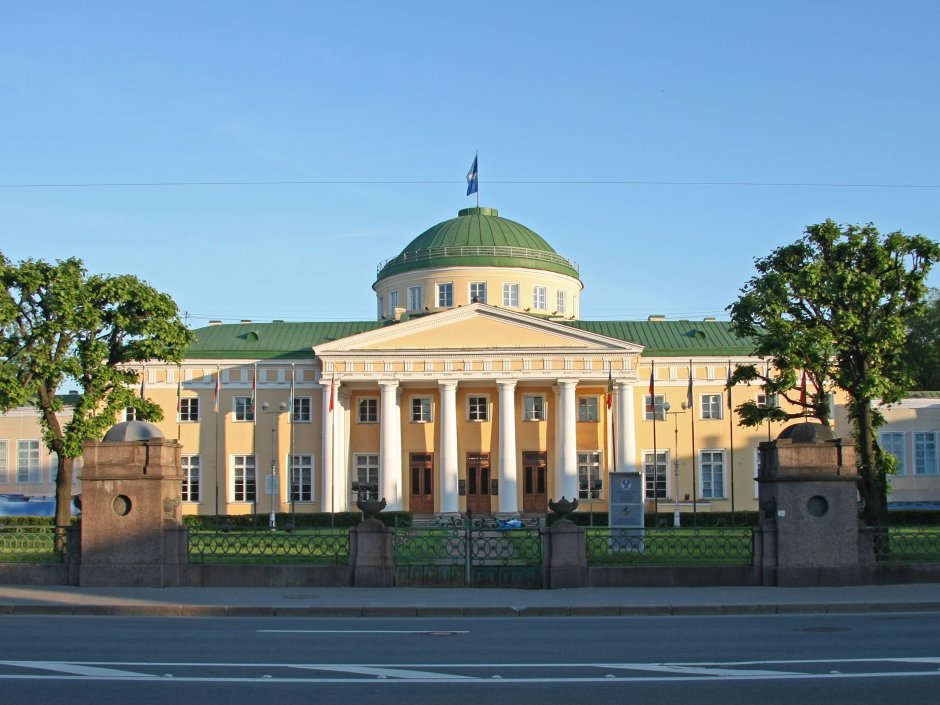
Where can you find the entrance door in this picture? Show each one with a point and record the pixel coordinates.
(478, 483)
(422, 483)
(534, 478)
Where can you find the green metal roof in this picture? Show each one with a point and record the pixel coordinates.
(477, 237)
(271, 340)
(673, 338)
(297, 340)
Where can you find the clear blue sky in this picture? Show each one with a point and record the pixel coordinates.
(701, 106)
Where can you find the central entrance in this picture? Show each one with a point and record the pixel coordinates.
(478, 483)
(421, 500)
(534, 487)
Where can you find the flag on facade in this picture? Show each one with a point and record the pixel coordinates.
(218, 389)
(143, 383)
(291, 407)
(803, 389)
(610, 389)
(473, 178)
(729, 384)
(254, 388)
(688, 394)
(651, 407)
(332, 390)
(179, 390)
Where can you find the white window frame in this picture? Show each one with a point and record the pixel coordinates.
(392, 303)
(706, 472)
(540, 298)
(445, 294)
(28, 461)
(4, 462)
(130, 414)
(561, 302)
(415, 298)
(191, 465)
(659, 411)
(588, 409)
(189, 408)
(303, 410)
(899, 451)
(242, 411)
(534, 407)
(478, 408)
(767, 401)
(366, 409)
(477, 290)
(650, 478)
(511, 294)
(711, 407)
(245, 473)
(304, 491)
(590, 481)
(421, 409)
(369, 464)
(925, 454)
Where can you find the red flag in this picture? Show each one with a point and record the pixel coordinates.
(803, 389)
(143, 383)
(179, 389)
(254, 388)
(332, 388)
(652, 405)
(218, 389)
(610, 389)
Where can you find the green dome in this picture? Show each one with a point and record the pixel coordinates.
(477, 237)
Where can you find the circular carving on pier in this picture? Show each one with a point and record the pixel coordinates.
(121, 505)
(817, 505)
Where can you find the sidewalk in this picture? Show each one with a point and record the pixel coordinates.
(463, 602)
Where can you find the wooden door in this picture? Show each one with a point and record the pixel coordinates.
(422, 483)
(534, 482)
(478, 483)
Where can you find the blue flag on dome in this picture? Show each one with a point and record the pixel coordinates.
(472, 181)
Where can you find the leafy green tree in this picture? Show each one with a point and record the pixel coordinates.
(62, 326)
(923, 346)
(837, 303)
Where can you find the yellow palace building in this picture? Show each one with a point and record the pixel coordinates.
(477, 388)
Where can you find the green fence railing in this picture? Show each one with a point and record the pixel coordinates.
(710, 546)
(314, 546)
(28, 544)
(906, 544)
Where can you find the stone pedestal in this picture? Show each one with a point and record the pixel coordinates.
(131, 530)
(564, 556)
(808, 496)
(370, 554)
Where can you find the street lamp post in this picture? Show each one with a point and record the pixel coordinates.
(676, 521)
(281, 408)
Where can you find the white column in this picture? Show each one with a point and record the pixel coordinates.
(508, 501)
(559, 451)
(327, 435)
(449, 497)
(341, 487)
(390, 479)
(625, 429)
(569, 440)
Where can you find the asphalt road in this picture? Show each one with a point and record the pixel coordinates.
(871, 658)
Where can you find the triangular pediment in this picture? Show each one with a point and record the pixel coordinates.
(478, 327)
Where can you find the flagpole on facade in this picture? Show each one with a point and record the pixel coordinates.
(691, 402)
(215, 405)
(292, 476)
(612, 465)
(179, 401)
(254, 434)
(655, 448)
(731, 440)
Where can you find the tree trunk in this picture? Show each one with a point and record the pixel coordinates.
(63, 501)
(874, 486)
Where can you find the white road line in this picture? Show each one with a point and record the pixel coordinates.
(387, 672)
(696, 670)
(362, 631)
(74, 669)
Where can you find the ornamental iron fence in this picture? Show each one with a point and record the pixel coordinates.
(713, 546)
(906, 544)
(314, 546)
(28, 544)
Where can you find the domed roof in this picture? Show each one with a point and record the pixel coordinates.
(807, 432)
(127, 431)
(478, 237)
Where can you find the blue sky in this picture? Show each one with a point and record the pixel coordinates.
(646, 141)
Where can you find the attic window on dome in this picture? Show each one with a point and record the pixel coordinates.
(695, 333)
(252, 336)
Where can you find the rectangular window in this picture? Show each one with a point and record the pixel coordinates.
(421, 409)
(415, 298)
(712, 472)
(478, 408)
(189, 409)
(130, 414)
(243, 478)
(300, 471)
(768, 401)
(654, 474)
(445, 295)
(533, 407)
(712, 405)
(392, 303)
(4, 463)
(590, 485)
(893, 443)
(302, 406)
(925, 453)
(27, 462)
(587, 408)
(654, 407)
(510, 295)
(189, 464)
(539, 298)
(244, 409)
(478, 292)
(366, 479)
(368, 410)
(560, 302)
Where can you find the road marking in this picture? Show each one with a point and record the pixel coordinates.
(695, 670)
(388, 672)
(363, 631)
(74, 669)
